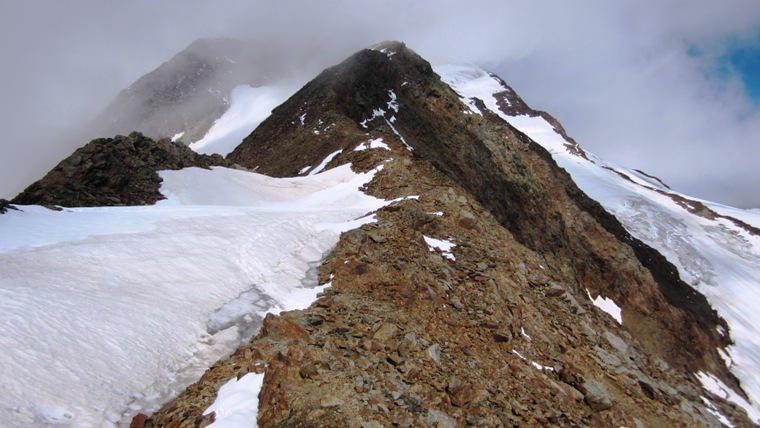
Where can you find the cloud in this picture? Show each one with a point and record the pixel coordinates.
(618, 75)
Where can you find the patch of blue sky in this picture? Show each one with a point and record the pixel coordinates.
(737, 58)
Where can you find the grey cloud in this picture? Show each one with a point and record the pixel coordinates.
(615, 73)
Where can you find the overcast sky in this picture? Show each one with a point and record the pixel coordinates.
(647, 85)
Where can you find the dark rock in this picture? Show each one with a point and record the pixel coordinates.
(113, 171)
(5, 205)
(502, 336)
(647, 389)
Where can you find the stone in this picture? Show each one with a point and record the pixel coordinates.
(5, 205)
(308, 370)
(434, 352)
(330, 401)
(385, 332)
(502, 336)
(455, 302)
(597, 396)
(554, 291)
(138, 421)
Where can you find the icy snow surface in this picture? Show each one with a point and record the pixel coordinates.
(109, 311)
(719, 259)
(249, 107)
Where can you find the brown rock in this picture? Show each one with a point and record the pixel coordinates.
(385, 332)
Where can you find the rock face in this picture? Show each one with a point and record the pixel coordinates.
(498, 330)
(113, 171)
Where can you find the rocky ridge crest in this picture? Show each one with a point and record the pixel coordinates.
(113, 171)
(498, 331)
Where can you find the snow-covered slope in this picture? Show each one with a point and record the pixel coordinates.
(248, 108)
(110, 311)
(716, 248)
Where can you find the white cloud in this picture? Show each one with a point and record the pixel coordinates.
(617, 74)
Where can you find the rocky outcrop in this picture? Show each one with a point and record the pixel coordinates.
(498, 331)
(5, 205)
(113, 171)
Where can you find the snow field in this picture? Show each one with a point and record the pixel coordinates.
(111, 311)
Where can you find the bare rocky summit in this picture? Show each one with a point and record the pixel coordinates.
(113, 171)
(500, 331)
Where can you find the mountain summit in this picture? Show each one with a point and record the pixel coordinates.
(470, 300)
(499, 275)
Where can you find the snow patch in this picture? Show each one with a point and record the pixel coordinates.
(525, 335)
(177, 136)
(375, 143)
(237, 403)
(714, 411)
(249, 107)
(324, 163)
(444, 246)
(471, 82)
(533, 363)
(607, 305)
(720, 389)
(393, 103)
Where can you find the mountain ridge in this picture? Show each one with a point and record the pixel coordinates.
(470, 299)
(391, 93)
